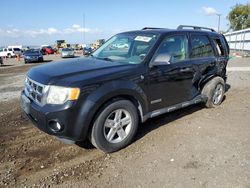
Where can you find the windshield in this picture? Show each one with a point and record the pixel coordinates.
(67, 49)
(31, 51)
(126, 48)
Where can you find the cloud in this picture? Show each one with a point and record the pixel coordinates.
(209, 10)
(75, 28)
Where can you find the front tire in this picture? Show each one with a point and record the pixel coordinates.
(115, 126)
(214, 91)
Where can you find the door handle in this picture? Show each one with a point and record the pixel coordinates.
(185, 70)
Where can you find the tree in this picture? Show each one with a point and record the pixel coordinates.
(239, 17)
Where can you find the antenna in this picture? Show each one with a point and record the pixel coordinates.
(83, 25)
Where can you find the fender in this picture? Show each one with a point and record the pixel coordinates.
(105, 93)
(204, 80)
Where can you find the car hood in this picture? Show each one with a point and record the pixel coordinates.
(78, 71)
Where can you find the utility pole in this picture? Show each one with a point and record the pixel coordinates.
(83, 23)
(219, 15)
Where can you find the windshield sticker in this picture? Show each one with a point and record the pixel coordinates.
(143, 38)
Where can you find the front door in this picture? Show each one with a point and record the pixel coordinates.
(171, 83)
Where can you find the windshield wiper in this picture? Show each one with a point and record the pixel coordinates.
(104, 58)
(101, 58)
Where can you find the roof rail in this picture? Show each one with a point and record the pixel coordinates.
(150, 28)
(195, 27)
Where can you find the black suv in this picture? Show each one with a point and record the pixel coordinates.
(134, 76)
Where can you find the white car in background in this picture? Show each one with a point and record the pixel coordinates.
(10, 52)
(120, 45)
(67, 52)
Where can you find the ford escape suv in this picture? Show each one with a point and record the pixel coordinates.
(104, 97)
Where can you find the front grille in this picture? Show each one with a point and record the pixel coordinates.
(34, 90)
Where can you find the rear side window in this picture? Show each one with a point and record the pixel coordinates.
(219, 47)
(201, 46)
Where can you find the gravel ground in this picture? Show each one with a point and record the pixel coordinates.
(193, 147)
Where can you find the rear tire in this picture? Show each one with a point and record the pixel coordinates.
(115, 126)
(214, 91)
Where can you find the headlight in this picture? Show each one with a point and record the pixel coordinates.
(59, 95)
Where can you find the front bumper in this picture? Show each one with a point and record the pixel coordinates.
(70, 115)
(67, 55)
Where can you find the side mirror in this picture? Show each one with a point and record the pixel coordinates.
(161, 59)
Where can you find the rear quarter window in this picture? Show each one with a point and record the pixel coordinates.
(201, 46)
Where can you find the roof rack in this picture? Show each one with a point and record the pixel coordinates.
(150, 28)
(195, 27)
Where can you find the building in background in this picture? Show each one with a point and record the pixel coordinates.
(239, 40)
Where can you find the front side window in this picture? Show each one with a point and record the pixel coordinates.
(130, 48)
(173, 48)
(201, 46)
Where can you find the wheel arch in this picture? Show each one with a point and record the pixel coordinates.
(205, 80)
(114, 91)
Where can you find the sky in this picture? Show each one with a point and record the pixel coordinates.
(40, 22)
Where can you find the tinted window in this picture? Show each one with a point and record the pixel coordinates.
(175, 47)
(1, 50)
(9, 49)
(17, 49)
(219, 47)
(201, 46)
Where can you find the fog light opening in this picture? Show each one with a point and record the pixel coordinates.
(55, 126)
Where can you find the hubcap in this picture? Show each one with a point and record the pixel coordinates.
(218, 94)
(117, 126)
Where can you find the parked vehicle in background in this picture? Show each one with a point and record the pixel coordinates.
(10, 52)
(46, 50)
(86, 51)
(67, 52)
(104, 97)
(32, 55)
(60, 44)
(120, 45)
(1, 61)
(97, 44)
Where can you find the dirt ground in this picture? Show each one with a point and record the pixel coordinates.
(193, 147)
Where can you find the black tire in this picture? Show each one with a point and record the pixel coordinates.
(98, 135)
(209, 90)
(9, 55)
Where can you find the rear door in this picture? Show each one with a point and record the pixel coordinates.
(171, 83)
(202, 56)
(221, 54)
